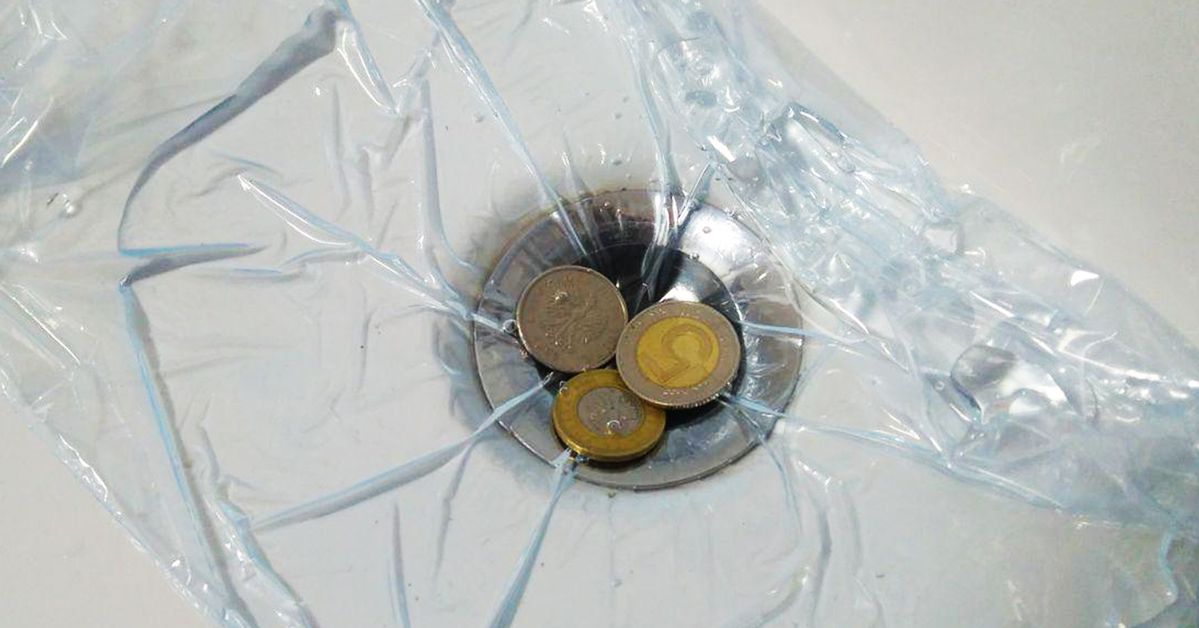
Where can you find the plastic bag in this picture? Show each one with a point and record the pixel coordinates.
(246, 247)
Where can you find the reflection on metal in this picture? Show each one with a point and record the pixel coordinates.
(716, 260)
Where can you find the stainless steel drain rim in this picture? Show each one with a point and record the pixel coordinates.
(722, 263)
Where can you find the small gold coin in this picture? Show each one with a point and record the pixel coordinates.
(678, 354)
(598, 417)
(569, 318)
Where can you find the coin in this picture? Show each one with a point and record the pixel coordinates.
(598, 417)
(678, 354)
(569, 318)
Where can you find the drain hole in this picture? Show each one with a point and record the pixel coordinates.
(716, 261)
(681, 278)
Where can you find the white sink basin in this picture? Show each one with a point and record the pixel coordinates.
(1078, 118)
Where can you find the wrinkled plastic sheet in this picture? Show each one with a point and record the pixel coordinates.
(242, 248)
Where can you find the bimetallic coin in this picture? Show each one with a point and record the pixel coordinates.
(598, 417)
(678, 354)
(569, 318)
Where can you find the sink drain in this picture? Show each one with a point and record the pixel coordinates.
(714, 260)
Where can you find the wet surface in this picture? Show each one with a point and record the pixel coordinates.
(240, 278)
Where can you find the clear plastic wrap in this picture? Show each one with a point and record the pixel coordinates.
(244, 250)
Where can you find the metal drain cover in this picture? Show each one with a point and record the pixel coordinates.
(715, 260)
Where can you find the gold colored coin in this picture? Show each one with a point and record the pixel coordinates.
(598, 417)
(569, 318)
(678, 354)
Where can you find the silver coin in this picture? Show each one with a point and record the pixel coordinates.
(569, 318)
